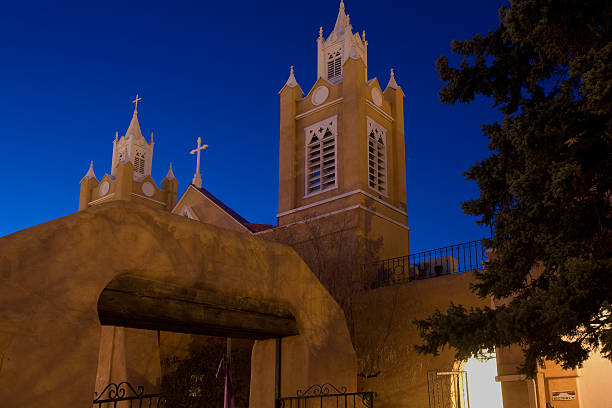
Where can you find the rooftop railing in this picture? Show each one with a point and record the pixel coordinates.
(430, 264)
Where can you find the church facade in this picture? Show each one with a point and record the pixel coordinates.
(342, 204)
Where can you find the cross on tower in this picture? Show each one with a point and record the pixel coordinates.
(135, 102)
(197, 177)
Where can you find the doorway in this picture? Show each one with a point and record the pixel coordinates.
(485, 392)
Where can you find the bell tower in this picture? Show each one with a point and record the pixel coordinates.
(342, 144)
(130, 174)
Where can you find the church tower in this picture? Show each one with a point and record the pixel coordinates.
(130, 176)
(342, 144)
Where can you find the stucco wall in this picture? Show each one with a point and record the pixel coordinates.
(51, 277)
(385, 331)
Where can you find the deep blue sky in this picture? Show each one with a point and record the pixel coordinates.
(68, 72)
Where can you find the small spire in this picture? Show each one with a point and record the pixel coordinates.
(342, 20)
(170, 175)
(392, 83)
(90, 173)
(116, 136)
(363, 36)
(321, 32)
(134, 127)
(151, 138)
(291, 82)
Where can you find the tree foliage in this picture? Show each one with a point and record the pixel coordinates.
(546, 188)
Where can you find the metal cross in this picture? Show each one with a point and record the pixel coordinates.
(197, 178)
(135, 101)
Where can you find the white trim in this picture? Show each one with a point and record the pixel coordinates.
(211, 201)
(178, 203)
(101, 199)
(384, 217)
(385, 163)
(318, 108)
(321, 191)
(147, 198)
(350, 193)
(377, 109)
(187, 213)
(330, 124)
(353, 207)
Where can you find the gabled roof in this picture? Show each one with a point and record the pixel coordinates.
(237, 217)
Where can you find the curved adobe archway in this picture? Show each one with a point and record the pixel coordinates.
(52, 275)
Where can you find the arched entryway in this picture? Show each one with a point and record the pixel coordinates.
(54, 274)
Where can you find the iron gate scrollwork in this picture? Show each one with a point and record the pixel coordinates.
(124, 395)
(448, 389)
(327, 396)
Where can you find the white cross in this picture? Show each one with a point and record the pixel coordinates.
(197, 177)
(135, 101)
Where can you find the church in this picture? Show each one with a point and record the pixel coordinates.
(328, 294)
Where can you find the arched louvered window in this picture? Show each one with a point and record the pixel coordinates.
(334, 65)
(139, 163)
(377, 160)
(320, 146)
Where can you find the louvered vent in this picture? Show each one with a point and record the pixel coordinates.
(334, 65)
(321, 156)
(377, 163)
(139, 163)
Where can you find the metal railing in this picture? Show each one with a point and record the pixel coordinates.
(327, 396)
(124, 395)
(429, 264)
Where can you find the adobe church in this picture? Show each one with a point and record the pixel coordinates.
(328, 294)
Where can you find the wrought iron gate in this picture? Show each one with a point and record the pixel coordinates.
(124, 395)
(448, 389)
(327, 396)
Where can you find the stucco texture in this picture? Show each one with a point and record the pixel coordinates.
(386, 336)
(51, 276)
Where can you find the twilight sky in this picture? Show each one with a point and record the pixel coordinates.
(69, 71)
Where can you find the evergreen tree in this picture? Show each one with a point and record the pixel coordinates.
(546, 188)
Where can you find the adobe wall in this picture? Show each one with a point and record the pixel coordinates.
(385, 336)
(51, 276)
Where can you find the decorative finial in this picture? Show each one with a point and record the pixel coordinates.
(363, 35)
(151, 138)
(116, 135)
(291, 81)
(348, 19)
(392, 82)
(341, 4)
(170, 174)
(321, 32)
(135, 102)
(90, 173)
(197, 177)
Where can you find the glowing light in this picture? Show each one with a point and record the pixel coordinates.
(484, 391)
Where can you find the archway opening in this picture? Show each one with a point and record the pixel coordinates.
(170, 339)
(484, 391)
